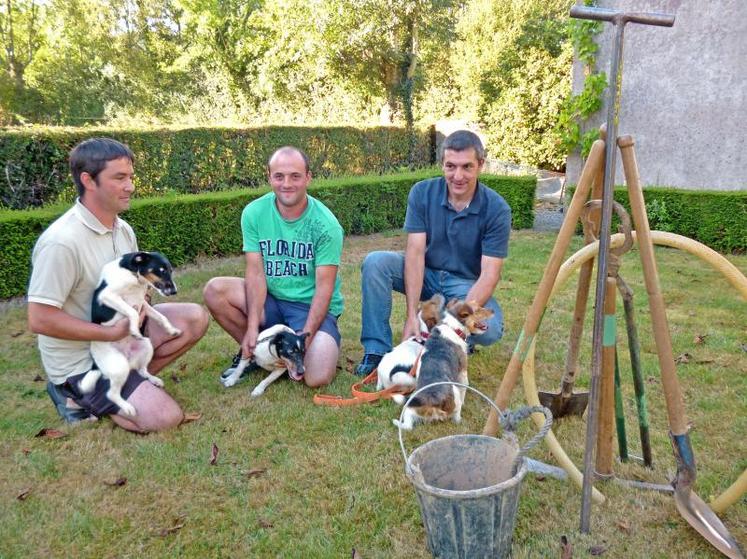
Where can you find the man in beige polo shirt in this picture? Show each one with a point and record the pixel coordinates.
(66, 264)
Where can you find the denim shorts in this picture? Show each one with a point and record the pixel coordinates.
(294, 315)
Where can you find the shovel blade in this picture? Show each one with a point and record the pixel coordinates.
(560, 406)
(700, 516)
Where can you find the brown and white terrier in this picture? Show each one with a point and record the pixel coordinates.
(445, 359)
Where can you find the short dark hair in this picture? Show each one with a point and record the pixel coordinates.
(464, 139)
(299, 151)
(91, 156)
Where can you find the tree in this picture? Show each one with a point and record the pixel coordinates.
(512, 61)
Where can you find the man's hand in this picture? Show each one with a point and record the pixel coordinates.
(249, 343)
(411, 328)
(118, 330)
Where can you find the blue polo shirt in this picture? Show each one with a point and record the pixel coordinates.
(456, 241)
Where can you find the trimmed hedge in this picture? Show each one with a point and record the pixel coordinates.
(717, 219)
(187, 226)
(197, 159)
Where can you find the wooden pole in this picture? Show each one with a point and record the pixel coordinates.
(606, 429)
(534, 315)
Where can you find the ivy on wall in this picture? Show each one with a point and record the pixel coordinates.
(578, 108)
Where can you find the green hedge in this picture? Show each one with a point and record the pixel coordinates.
(197, 159)
(190, 225)
(717, 219)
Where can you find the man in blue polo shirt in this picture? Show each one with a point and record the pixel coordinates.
(457, 239)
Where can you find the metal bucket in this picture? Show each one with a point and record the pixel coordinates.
(468, 486)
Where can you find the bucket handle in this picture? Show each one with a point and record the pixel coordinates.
(508, 420)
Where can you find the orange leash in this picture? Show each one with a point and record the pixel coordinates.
(361, 396)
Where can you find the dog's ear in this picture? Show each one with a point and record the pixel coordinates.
(438, 300)
(133, 260)
(303, 336)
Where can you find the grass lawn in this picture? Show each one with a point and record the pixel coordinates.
(295, 480)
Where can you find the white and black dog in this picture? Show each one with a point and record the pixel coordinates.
(395, 366)
(445, 359)
(122, 293)
(278, 349)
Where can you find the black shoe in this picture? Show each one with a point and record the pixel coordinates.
(69, 414)
(250, 367)
(369, 362)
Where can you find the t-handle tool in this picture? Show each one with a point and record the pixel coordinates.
(619, 20)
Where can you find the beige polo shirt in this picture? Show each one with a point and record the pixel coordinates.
(66, 265)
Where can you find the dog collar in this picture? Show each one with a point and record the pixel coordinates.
(420, 338)
(461, 334)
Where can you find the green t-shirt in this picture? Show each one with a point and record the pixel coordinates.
(291, 250)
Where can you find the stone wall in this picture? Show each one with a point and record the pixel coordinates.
(684, 93)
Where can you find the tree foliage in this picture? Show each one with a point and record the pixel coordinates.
(504, 64)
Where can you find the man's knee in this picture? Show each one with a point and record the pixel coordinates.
(214, 292)
(196, 319)
(168, 416)
(381, 262)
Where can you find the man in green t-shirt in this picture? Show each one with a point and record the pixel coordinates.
(292, 244)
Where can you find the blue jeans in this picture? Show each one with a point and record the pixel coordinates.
(383, 272)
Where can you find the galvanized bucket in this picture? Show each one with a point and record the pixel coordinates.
(468, 486)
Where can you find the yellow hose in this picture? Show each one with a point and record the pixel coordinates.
(731, 495)
(717, 261)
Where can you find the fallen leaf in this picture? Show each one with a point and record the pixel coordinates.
(597, 549)
(16, 334)
(683, 358)
(700, 339)
(191, 416)
(178, 525)
(744, 347)
(214, 455)
(23, 494)
(623, 526)
(38, 378)
(349, 363)
(539, 478)
(705, 361)
(354, 554)
(566, 549)
(254, 472)
(651, 379)
(26, 451)
(119, 482)
(183, 366)
(175, 378)
(51, 433)
(265, 523)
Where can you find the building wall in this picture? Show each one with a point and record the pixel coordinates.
(684, 93)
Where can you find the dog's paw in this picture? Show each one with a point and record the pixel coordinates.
(174, 332)
(156, 381)
(125, 408)
(401, 425)
(137, 334)
(258, 392)
(457, 419)
(398, 399)
(228, 382)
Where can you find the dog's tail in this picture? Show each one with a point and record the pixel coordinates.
(88, 382)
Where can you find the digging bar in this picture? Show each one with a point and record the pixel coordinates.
(619, 20)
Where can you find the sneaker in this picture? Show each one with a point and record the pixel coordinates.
(68, 410)
(369, 362)
(251, 366)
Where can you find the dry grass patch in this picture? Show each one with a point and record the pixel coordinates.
(295, 480)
